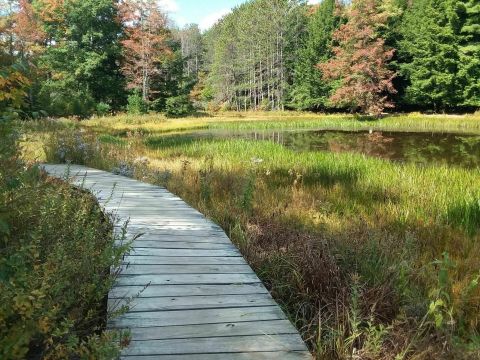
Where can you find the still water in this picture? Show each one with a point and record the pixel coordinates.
(421, 148)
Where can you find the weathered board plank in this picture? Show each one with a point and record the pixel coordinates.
(138, 251)
(160, 244)
(191, 260)
(272, 355)
(185, 269)
(146, 238)
(192, 302)
(197, 316)
(183, 279)
(191, 295)
(217, 345)
(245, 328)
(186, 290)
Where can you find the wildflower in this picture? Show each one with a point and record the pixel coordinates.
(141, 161)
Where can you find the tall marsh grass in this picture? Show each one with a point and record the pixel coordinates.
(158, 124)
(370, 259)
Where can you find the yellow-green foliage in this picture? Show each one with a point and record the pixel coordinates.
(56, 250)
(157, 123)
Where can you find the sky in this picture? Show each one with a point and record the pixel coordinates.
(205, 13)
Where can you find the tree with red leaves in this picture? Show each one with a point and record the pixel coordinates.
(145, 44)
(360, 61)
(28, 30)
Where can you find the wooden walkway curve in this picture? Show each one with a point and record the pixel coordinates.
(203, 301)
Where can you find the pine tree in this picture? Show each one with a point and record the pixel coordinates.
(191, 43)
(249, 55)
(360, 60)
(469, 71)
(429, 54)
(309, 90)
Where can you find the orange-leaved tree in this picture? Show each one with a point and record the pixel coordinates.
(145, 45)
(360, 61)
(28, 30)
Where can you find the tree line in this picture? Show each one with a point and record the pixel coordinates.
(72, 57)
(366, 55)
(79, 57)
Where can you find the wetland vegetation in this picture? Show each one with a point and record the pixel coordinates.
(367, 256)
(364, 226)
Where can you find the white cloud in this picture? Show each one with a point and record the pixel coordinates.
(210, 20)
(170, 6)
(313, 2)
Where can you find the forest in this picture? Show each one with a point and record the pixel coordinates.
(80, 58)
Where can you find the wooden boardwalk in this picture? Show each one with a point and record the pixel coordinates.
(203, 301)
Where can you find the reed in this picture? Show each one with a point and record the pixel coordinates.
(370, 259)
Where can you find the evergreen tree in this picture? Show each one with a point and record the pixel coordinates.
(170, 79)
(249, 55)
(191, 43)
(429, 54)
(469, 71)
(309, 90)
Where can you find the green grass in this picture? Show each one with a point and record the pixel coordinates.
(380, 223)
(362, 253)
(156, 124)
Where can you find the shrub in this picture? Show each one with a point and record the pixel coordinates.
(70, 147)
(136, 105)
(63, 99)
(103, 109)
(178, 106)
(57, 249)
(158, 105)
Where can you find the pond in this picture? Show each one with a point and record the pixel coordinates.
(416, 147)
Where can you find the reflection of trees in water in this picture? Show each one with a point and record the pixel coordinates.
(444, 149)
(378, 144)
(467, 150)
(374, 144)
(274, 136)
(422, 148)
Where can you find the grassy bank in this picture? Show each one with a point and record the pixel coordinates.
(57, 248)
(370, 259)
(154, 124)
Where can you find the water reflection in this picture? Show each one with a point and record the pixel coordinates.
(422, 148)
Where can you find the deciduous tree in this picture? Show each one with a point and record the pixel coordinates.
(81, 56)
(28, 30)
(144, 46)
(360, 60)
